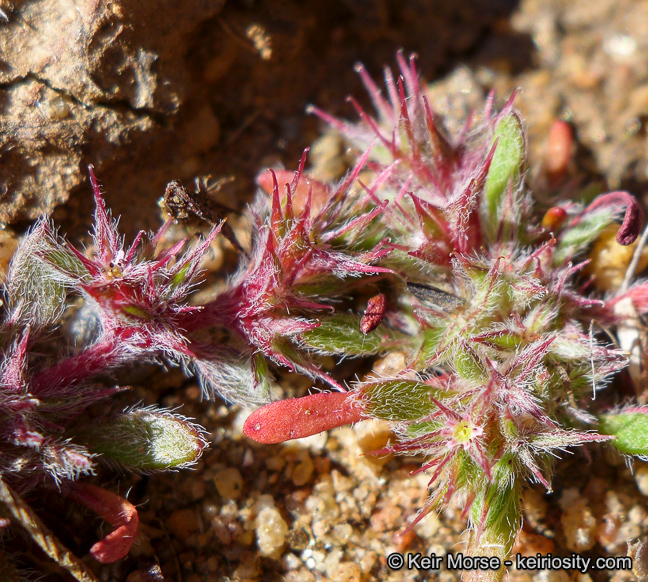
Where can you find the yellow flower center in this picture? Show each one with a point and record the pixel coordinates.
(463, 432)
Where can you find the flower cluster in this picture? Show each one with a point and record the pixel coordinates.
(309, 244)
(504, 365)
(56, 352)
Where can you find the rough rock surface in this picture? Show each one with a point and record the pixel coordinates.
(85, 82)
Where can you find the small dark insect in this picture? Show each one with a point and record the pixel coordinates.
(373, 315)
(435, 298)
(181, 204)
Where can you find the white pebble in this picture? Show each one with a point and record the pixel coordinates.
(271, 531)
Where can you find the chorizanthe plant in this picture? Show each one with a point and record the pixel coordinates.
(71, 317)
(132, 300)
(309, 248)
(458, 268)
(487, 298)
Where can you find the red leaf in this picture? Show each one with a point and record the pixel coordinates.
(118, 512)
(301, 417)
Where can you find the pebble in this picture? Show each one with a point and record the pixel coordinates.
(8, 245)
(535, 505)
(194, 489)
(224, 529)
(276, 463)
(368, 561)
(271, 532)
(332, 563)
(641, 478)
(55, 109)
(391, 364)
(342, 532)
(291, 561)
(552, 576)
(578, 521)
(374, 435)
(427, 528)
(183, 522)
(530, 544)
(637, 514)
(303, 471)
(248, 569)
(301, 575)
(386, 518)
(229, 483)
(347, 572)
(315, 442)
(638, 551)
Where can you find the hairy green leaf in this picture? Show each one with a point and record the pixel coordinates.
(505, 166)
(398, 399)
(340, 334)
(630, 428)
(147, 440)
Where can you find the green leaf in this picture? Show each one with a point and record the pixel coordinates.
(179, 278)
(495, 517)
(262, 375)
(340, 334)
(630, 428)
(508, 341)
(62, 260)
(578, 238)
(136, 312)
(468, 365)
(431, 345)
(233, 377)
(505, 167)
(34, 290)
(398, 399)
(147, 440)
(419, 429)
